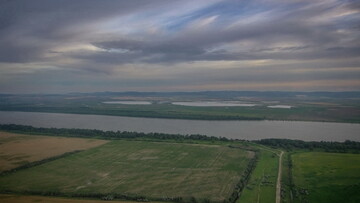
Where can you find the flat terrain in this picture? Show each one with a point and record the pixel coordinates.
(299, 112)
(262, 184)
(18, 149)
(279, 176)
(285, 179)
(156, 170)
(32, 199)
(326, 177)
(306, 106)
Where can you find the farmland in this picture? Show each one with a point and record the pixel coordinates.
(154, 170)
(30, 199)
(326, 177)
(261, 187)
(317, 106)
(17, 149)
(171, 168)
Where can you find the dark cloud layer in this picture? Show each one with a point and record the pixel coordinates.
(207, 42)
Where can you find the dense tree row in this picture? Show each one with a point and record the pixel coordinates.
(113, 196)
(125, 111)
(102, 196)
(104, 134)
(36, 163)
(243, 181)
(299, 144)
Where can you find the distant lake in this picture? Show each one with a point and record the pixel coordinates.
(211, 104)
(128, 102)
(249, 130)
(280, 107)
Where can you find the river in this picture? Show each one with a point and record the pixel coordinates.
(249, 130)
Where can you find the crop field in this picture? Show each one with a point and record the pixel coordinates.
(326, 177)
(262, 185)
(155, 170)
(18, 149)
(42, 199)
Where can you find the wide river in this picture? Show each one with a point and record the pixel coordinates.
(249, 130)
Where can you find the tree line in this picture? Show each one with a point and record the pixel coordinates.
(92, 133)
(287, 144)
(239, 187)
(36, 163)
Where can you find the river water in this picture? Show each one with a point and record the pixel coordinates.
(249, 130)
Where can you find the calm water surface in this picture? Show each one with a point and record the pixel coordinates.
(250, 130)
(211, 104)
(128, 102)
(280, 107)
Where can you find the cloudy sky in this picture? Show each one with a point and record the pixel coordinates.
(58, 46)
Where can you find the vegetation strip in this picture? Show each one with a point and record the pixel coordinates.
(86, 133)
(338, 147)
(13, 198)
(261, 186)
(244, 180)
(287, 144)
(37, 163)
(290, 177)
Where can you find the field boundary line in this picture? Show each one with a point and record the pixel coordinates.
(236, 194)
(278, 182)
(37, 163)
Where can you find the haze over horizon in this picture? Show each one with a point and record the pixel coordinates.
(60, 46)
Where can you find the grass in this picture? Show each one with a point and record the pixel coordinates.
(30, 199)
(299, 112)
(326, 177)
(18, 149)
(338, 107)
(156, 170)
(262, 185)
(285, 179)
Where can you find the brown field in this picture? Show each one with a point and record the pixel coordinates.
(19, 149)
(29, 199)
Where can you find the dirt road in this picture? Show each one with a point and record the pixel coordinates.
(278, 182)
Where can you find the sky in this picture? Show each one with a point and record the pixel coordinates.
(60, 46)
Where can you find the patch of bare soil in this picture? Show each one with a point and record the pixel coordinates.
(18, 149)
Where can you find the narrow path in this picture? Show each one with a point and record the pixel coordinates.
(278, 182)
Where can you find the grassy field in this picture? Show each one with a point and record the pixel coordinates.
(326, 177)
(262, 185)
(17, 149)
(338, 107)
(285, 180)
(301, 112)
(163, 170)
(42, 199)
(156, 170)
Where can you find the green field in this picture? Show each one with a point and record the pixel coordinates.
(300, 113)
(339, 107)
(326, 177)
(155, 170)
(286, 179)
(170, 169)
(262, 185)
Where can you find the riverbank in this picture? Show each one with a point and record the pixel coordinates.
(242, 130)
